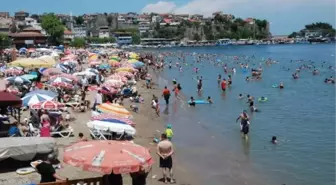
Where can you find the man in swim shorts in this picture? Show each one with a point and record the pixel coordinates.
(165, 151)
(223, 85)
(244, 123)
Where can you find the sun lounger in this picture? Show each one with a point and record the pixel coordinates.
(63, 133)
(97, 134)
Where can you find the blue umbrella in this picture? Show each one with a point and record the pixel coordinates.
(17, 79)
(42, 69)
(35, 98)
(110, 120)
(104, 66)
(138, 64)
(42, 92)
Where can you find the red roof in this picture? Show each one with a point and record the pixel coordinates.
(67, 32)
(249, 20)
(167, 20)
(27, 34)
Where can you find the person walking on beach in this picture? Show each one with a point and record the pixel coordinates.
(165, 151)
(244, 123)
(166, 94)
(47, 171)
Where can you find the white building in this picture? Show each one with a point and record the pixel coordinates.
(68, 35)
(156, 18)
(121, 19)
(103, 32)
(79, 32)
(30, 22)
(144, 27)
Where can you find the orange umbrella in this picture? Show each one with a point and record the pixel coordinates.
(108, 156)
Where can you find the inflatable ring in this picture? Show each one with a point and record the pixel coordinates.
(25, 171)
(263, 100)
(199, 102)
(275, 86)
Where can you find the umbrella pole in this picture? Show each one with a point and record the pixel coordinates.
(19, 116)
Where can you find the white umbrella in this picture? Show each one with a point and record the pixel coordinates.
(112, 127)
(61, 79)
(85, 73)
(17, 80)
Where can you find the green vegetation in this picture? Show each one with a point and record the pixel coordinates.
(325, 29)
(78, 42)
(79, 20)
(218, 28)
(53, 27)
(5, 41)
(97, 40)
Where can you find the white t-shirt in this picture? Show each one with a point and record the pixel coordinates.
(99, 98)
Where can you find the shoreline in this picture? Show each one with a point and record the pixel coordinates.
(148, 125)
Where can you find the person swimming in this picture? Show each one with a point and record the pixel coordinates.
(209, 99)
(274, 140)
(192, 101)
(240, 96)
(262, 98)
(281, 86)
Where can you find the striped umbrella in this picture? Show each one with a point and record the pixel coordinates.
(48, 105)
(64, 75)
(62, 85)
(108, 117)
(18, 79)
(51, 71)
(30, 99)
(61, 79)
(114, 109)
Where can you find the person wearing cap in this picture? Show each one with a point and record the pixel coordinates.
(169, 132)
(47, 171)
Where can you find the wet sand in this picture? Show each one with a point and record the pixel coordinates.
(148, 125)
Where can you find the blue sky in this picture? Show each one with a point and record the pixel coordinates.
(285, 15)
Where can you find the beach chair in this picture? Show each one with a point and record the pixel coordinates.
(64, 133)
(34, 132)
(97, 134)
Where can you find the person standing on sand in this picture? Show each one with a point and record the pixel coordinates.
(165, 151)
(47, 171)
(166, 94)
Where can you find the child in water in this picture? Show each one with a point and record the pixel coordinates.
(274, 140)
(192, 101)
(169, 132)
(209, 100)
(240, 96)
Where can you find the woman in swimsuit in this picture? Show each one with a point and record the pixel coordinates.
(244, 123)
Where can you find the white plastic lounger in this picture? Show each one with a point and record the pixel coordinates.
(96, 134)
(63, 133)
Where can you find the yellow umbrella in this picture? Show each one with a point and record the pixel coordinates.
(30, 63)
(93, 57)
(114, 109)
(48, 59)
(125, 69)
(133, 56)
(132, 60)
(112, 61)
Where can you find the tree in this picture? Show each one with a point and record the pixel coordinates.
(109, 20)
(13, 28)
(5, 41)
(79, 20)
(78, 42)
(53, 26)
(136, 38)
(292, 35)
(197, 37)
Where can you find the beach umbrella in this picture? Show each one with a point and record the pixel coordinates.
(117, 77)
(22, 50)
(93, 57)
(85, 73)
(60, 79)
(114, 83)
(112, 118)
(65, 75)
(29, 76)
(17, 79)
(13, 90)
(14, 71)
(35, 98)
(104, 66)
(132, 60)
(94, 62)
(105, 157)
(138, 65)
(48, 105)
(125, 69)
(42, 93)
(125, 74)
(63, 85)
(119, 128)
(52, 71)
(114, 109)
(92, 70)
(61, 67)
(115, 58)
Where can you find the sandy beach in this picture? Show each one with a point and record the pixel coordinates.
(148, 125)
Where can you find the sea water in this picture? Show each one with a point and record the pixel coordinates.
(302, 116)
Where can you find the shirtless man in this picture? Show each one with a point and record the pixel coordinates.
(165, 150)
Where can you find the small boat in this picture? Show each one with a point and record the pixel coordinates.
(223, 42)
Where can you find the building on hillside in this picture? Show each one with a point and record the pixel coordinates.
(122, 18)
(5, 24)
(123, 38)
(28, 37)
(181, 16)
(21, 15)
(143, 27)
(156, 19)
(4, 15)
(143, 18)
(312, 33)
(197, 16)
(249, 20)
(79, 32)
(217, 13)
(68, 37)
(103, 32)
(30, 22)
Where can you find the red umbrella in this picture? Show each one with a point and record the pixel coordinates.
(105, 157)
(62, 85)
(48, 105)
